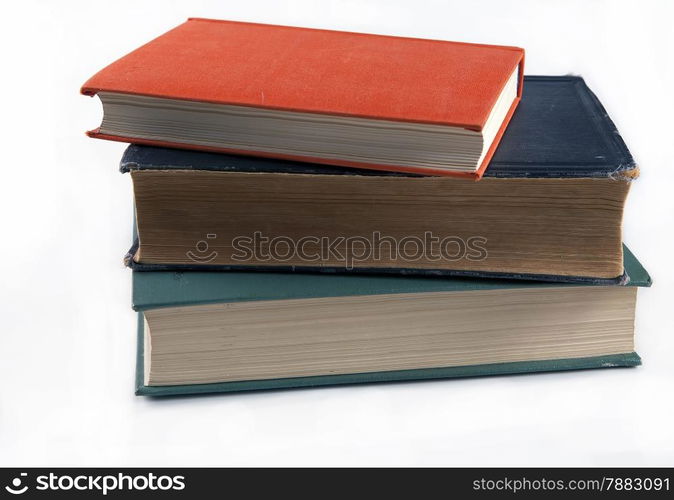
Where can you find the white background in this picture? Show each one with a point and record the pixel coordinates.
(67, 334)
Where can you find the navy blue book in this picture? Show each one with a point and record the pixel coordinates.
(548, 208)
(204, 332)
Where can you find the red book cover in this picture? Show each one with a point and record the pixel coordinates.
(318, 71)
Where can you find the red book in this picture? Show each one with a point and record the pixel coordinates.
(351, 99)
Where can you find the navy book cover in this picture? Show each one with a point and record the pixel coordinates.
(560, 130)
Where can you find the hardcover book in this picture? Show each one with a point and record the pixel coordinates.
(352, 99)
(549, 207)
(205, 332)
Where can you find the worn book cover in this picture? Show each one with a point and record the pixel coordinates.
(561, 173)
(169, 289)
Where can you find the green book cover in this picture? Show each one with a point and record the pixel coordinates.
(170, 289)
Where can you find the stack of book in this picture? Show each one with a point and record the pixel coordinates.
(317, 207)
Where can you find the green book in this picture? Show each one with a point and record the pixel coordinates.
(201, 332)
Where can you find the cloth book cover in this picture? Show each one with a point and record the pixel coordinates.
(169, 289)
(404, 80)
(559, 131)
